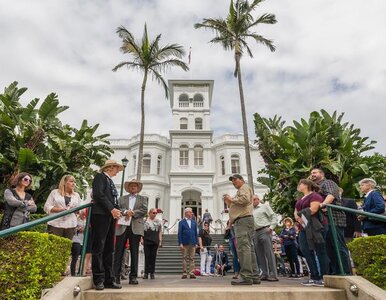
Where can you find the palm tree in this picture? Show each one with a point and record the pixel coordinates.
(232, 33)
(151, 59)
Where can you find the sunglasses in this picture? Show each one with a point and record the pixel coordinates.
(27, 179)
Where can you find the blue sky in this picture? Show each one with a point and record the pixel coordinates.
(330, 55)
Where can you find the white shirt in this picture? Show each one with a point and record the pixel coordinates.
(132, 200)
(55, 199)
(189, 222)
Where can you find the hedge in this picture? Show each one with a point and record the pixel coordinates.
(369, 254)
(30, 262)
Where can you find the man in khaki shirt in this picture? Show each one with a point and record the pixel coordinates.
(240, 214)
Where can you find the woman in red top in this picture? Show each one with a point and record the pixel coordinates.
(313, 245)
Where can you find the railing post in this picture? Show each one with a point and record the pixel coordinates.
(334, 238)
(85, 240)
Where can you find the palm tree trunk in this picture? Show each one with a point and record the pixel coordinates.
(245, 127)
(142, 131)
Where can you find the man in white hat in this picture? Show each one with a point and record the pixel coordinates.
(134, 207)
(105, 211)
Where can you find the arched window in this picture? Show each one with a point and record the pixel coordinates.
(235, 163)
(198, 155)
(183, 100)
(198, 100)
(198, 123)
(159, 159)
(183, 123)
(134, 163)
(146, 162)
(222, 163)
(184, 155)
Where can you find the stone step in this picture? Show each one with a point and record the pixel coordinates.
(169, 260)
(208, 288)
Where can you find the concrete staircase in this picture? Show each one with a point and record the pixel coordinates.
(169, 259)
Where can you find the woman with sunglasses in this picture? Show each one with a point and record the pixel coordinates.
(18, 203)
(152, 239)
(61, 199)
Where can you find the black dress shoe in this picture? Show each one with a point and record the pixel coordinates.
(241, 282)
(100, 286)
(113, 285)
(145, 276)
(133, 281)
(264, 278)
(152, 276)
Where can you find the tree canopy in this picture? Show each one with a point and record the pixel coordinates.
(152, 59)
(232, 33)
(325, 141)
(34, 140)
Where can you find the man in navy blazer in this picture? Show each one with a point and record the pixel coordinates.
(373, 203)
(188, 241)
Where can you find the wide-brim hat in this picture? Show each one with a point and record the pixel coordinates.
(133, 181)
(112, 163)
(288, 219)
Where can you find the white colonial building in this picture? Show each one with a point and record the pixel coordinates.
(191, 167)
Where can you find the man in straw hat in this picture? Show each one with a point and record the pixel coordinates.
(105, 211)
(134, 207)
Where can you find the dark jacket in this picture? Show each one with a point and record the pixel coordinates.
(288, 236)
(314, 229)
(352, 223)
(187, 235)
(374, 203)
(103, 199)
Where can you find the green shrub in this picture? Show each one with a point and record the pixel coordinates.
(30, 262)
(38, 228)
(369, 254)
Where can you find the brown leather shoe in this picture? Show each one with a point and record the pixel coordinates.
(192, 276)
(184, 276)
(272, 278)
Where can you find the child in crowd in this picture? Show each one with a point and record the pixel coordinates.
(288, 235)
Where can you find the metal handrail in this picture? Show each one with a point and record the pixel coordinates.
(331, 222)
(16, 229)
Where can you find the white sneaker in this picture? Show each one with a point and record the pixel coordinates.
(205, 274)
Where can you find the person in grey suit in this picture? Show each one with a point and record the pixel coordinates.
(131, 227)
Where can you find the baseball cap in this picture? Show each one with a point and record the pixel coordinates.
(236, 176)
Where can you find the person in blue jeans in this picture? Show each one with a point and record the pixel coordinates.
(311, 235)
(230, 235)
(288, 235)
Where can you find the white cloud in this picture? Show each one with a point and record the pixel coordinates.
(330, 54)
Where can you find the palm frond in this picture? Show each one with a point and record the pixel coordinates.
(157, 76)
(261, 40)
(129, 64)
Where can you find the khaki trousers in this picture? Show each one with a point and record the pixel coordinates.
(188, 252)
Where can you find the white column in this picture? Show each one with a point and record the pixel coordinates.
(174, 212)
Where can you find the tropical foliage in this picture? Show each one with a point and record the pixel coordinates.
(151, 59)
(232, 33)
(34, 140)
(290, 152)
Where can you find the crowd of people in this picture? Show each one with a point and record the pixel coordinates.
(121, 223)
